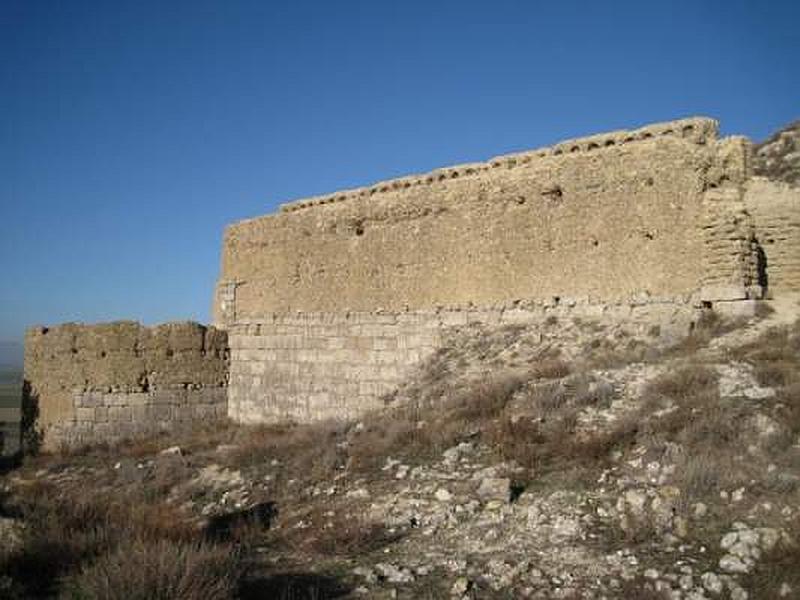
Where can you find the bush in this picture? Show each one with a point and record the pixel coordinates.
(158, 570)
(91, 541)
(688, 382)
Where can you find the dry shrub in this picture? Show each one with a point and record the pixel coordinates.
(484, 399)
(685, 383)
(145, 569)
(335, 533)
(550, 368)
(59, 535)
(602, 353)
(779, 566)
(775, 355)
(555, 444)
(417, 431)
(67, 531)
(197, 437)
(703, 472)
(311, 451)
(709, 325)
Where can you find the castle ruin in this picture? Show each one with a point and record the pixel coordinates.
(329, 304)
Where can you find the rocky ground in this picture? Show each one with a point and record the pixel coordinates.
(578, 460)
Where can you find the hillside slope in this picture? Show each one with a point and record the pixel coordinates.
(578, 460)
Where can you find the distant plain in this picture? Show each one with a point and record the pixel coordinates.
(10, 387)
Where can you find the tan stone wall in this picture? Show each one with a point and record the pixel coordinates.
(775, 209)
(313, 366)
(600, 219)
(110, 381)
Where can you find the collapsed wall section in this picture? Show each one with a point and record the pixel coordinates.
(108, 382)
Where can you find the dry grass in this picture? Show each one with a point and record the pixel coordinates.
(312, 451)
(333, 531)
(775, 355)
(556, 445)
(777, 567)
(67, 533)
(687, 383)
(417, 431)
(529, 416)
(157, 569)
(550, 368)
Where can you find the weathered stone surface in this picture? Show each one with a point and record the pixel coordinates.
(117, 380)
(608, 216)
(330, 302)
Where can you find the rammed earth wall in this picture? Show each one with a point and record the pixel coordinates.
(91, 383)
(602, 219)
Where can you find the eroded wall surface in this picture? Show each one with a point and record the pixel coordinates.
(603, 218)
(89, 383)
(334, 300)
(775, 208)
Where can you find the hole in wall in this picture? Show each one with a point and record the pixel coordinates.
(687, 129)
(554, 193)
(169, 352)
(515, 490)
(609, 143)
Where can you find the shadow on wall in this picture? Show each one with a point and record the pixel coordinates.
(31, 433)
(761, 268)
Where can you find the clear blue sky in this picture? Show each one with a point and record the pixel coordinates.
(132, 132)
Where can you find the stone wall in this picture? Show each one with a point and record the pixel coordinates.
(775, 208)
(310, 366)
(331, 302)
(88, 383)
(601, 219)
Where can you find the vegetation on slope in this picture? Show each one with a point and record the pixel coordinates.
(624, 455)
